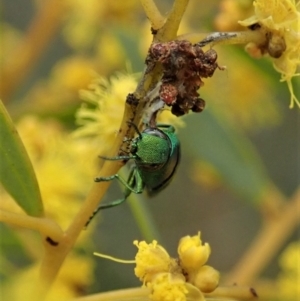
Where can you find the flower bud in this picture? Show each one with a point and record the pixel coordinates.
(206, 279)
(192, 253)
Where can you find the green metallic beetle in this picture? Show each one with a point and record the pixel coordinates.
(156, 153)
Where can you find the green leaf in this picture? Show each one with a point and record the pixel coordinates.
(16, 171)
(10, 258)
(233, 155)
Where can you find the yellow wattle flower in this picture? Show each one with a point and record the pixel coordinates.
(100, 116)
(167, 287)
(288, 280)
(150, 259)
(192, 253)
(280, 20)
(166, 277)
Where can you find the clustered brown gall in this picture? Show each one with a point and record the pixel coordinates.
(184, 64)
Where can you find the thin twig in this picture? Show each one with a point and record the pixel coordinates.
(140, 293)
(143, 218)
(54, 256)
(43, 225)
(233, 292)
(267, 243)
(224, 38)
(170, 28)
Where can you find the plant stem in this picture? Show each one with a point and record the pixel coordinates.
(267, 243)
(170, 28)
(153, 14)
(55, 255)
(141, 293)
(233, 292)
(223, 38)
(130, 294)
(150, 78)
(45, 226)
(143, 218)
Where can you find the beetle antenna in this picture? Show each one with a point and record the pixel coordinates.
(116, 158)
(136, 128)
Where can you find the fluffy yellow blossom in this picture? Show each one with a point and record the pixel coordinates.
(192, 253)
(167, 287)
(72, 73)
(101, 114)
(166, 277)
(70, 285)
(67, 286)
(230, 12)
(65, 170)
(84, 19)
(64, 167)
(289, 278)
(150, 260)
(182, 279)
(279, 20)
(110, 53)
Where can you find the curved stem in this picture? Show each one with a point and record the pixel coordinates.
(267, 243)
(55, 255)
(45, 226)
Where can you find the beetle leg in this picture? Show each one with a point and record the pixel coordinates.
(139, 184)
(106, 179)
(134, 179)
(129, 184)
(133, 184)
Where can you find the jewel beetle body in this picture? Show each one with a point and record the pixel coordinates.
(156, 154)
